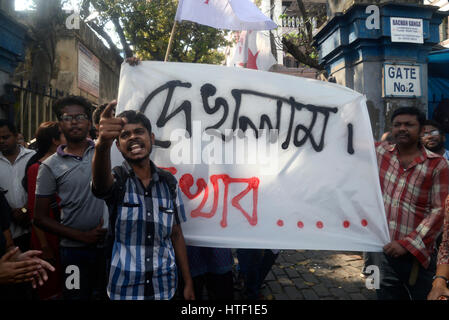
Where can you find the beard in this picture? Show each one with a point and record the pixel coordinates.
(74, 139)
(437, 147)
(137, 160)
(145, 157)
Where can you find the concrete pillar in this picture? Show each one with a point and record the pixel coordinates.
(355, 52)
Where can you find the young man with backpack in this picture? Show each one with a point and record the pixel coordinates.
(145, 208)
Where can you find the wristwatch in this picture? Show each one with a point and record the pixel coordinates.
(441, 277)
(24, 210)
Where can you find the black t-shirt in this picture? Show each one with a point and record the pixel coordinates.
(5, 220)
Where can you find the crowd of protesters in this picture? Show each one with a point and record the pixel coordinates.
(63, 205)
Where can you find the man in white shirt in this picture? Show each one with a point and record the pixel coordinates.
(13, 160)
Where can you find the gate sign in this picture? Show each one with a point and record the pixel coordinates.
(402, 80)
(263, 160)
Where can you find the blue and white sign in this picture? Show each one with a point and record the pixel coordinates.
(406, 30)
(402, 80)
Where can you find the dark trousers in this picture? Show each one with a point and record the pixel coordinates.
(218, 286)
(90, 282)
(254, 266)
(395, 277)
(23, 242)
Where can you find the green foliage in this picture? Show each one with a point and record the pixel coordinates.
(147, 25)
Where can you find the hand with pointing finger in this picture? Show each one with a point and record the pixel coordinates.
(110, 126)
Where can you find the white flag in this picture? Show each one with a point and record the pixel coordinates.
(224, 14)
(252, 51)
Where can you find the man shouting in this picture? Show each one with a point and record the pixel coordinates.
(145, 206)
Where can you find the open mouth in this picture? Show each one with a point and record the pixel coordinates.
(136, 147)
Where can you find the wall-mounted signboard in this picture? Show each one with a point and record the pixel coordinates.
(402, 80)
(88, 71)
(406, 30)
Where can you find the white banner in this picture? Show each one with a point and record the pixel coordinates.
(311, 183)
(224, 14)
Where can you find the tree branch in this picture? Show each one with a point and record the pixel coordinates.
(118, 28)
(299, 55)
(85, 12)
(108, 39)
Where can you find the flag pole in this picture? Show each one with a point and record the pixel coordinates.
(170, 42)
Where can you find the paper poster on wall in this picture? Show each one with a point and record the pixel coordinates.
(263, 160)
(88, 71)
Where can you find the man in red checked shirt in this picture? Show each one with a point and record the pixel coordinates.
(414, 183)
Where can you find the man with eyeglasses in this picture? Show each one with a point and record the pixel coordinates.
(433, 138)
(68, 173)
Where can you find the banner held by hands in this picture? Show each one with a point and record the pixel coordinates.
(313, 184)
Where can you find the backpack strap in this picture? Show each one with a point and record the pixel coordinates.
(171, 182)
(172, 186)
(121, 176)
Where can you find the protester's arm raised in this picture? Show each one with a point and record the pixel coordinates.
(110, 128)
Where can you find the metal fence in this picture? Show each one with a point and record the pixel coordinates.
(33, 105)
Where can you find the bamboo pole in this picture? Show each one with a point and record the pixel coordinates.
(170, 42)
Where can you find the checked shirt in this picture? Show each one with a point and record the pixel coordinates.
(143, 259)
(414, 198)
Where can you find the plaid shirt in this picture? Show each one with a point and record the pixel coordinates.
(414, 198)
(143, 259)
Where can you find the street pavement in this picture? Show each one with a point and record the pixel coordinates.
(317, 275)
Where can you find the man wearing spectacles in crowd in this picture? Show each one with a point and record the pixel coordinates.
(68, 173)
(433, 138)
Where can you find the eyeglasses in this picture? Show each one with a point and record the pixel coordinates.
(431, 133)
(77, 117)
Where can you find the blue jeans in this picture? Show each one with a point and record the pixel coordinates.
(254, 266)
(91, 264)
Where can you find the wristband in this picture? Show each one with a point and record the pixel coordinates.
(441, 277)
